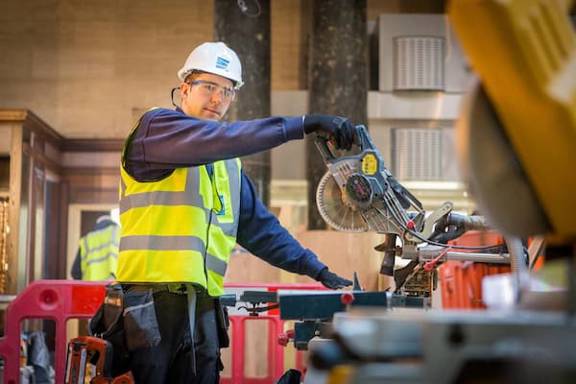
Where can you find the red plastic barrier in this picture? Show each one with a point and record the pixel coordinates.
(61, 300)
(57, 300)
(275, 327)
(275, 355)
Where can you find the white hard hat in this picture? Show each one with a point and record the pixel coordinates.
(214, 58)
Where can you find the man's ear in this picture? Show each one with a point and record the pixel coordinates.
(184, 89)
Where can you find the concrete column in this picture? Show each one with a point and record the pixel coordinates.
(245, 27)
(338, 76)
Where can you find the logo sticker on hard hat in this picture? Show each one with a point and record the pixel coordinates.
(222, 63)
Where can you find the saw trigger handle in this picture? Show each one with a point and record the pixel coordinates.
(325, 148)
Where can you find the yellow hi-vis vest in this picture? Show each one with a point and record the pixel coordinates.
(181, 228)
(99, 254)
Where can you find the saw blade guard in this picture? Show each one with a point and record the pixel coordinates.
(358, 193)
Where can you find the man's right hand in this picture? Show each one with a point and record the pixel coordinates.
(336, 128)
(331, 280)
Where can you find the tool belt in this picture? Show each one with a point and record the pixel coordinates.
(177, 288)
(107, 324)
(223, 323)
(127, 318)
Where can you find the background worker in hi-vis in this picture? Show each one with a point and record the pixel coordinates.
(185, 202)
(97, 254)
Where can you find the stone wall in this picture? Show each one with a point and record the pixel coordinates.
(86, 67)
(89, 67)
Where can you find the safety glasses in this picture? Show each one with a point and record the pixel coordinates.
(209, 88)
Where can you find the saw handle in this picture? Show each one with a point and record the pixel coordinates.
(362, 139)
(326, 150)
(326, 147)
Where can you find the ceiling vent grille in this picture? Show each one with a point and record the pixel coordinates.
(419, 63)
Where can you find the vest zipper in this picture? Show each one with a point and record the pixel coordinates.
(210, 171)
(206, 249)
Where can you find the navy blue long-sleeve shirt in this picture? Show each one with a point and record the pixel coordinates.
(167, 139)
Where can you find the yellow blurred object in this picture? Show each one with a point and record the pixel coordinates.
(341, 374)
(524, 52)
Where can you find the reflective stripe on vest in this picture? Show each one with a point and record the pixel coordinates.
(99, 254)
(166, 225)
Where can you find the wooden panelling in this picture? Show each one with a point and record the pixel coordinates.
(92, 185)
(4, 173)
(40, 188)
(13, 259)
(31, 123)
(92, 145)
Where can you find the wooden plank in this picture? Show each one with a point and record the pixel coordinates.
(14, 210)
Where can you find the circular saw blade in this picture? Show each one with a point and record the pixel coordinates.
(334, 210)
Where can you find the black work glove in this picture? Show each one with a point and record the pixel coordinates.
(335, 128)
(332, 280)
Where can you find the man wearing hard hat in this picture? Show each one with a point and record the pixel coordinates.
(184, 204)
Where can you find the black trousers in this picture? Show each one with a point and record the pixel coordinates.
(171, 361)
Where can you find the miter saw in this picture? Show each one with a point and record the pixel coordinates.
(359, 194)
(517, 147)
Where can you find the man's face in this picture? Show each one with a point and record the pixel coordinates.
(206, 96)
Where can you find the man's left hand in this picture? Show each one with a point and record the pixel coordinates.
(332, 280)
